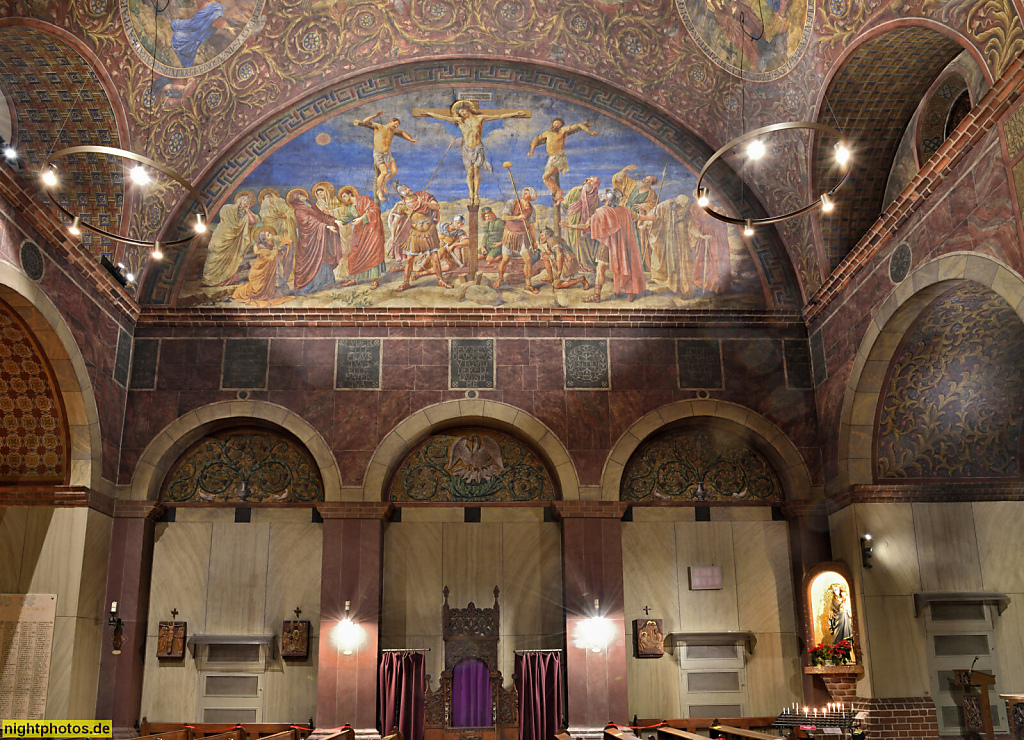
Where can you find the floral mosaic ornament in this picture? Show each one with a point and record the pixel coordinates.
(471, 465)
(690, 464)
(244, 466)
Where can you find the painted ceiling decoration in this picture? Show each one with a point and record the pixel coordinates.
(244, 466)
(699, 464)
(953, 400)
(202, 81)
(33, 429)
(471, 465)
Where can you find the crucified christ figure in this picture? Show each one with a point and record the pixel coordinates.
(384, 165)
(466, 114)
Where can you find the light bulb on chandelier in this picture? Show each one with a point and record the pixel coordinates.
(200, 226)
(156, 253)
(826, 203)
(702, 198)
(10, 153)
(50, 176)
(842, 154)
(748, 228)
(139, 175)
(756, 149)
(74, 229)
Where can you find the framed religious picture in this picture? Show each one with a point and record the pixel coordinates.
(648, 639)
(830, 616)
(170, 639)
(295, 639)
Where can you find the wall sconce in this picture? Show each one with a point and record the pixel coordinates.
(347, 635)
(865, 551)
(596, 633)
(117, 638)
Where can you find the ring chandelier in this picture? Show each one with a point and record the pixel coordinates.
(755, 150)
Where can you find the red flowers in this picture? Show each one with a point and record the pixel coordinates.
(839, 653)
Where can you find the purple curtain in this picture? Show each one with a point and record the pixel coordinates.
(539, 682)
(471, 694)
(402, 680)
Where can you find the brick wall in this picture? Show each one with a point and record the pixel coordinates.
(895, 719)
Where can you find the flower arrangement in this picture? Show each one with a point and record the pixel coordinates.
(839, 653)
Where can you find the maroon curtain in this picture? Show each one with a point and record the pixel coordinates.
(539, 682)
(402, 679)
(471, 694)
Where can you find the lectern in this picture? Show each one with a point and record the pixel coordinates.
(977, 710)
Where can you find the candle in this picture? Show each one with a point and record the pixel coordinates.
(805, 711)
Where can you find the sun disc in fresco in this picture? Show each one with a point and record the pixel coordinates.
(189, 37)
(758, 41)
(323, 139)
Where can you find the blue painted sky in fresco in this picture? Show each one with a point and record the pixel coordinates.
(347, 159)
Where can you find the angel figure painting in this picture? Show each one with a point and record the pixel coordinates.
(831, 608)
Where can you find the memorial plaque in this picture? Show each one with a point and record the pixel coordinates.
(586, 364)
(357, 364)
(26, 639)
(144, 361)
(170, 639)
(123, 358)
(295, 639)
(700, 363)
(648, 639)
(798, 363)
(245, 364)
(471, 363)
(818, 358)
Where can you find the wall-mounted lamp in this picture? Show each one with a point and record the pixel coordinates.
(865, 551)
(117, 638)
(596, 633)
(347, 635)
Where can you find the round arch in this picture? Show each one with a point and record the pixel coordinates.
(176, 437)
(64, 356)
(892, 319)
(447, 414)
(790, 464)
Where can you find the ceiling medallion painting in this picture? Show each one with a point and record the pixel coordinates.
(756, 41)
(375, 207)
(469, 466)
(245, 466)
(185, 38)
(954, 399)
(699, 464)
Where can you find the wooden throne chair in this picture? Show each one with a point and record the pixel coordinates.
(471, 634)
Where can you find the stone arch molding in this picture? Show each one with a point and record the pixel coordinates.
(789, 463)
(892, 319)
(176, 437)
(447, 414)
(64, 356)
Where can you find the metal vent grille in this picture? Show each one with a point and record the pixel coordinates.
(233, 653)
(711, 652)
(232, 685)
(713, 711)
(712, 681)
(958, 612)
(961, 645)
(234, 716)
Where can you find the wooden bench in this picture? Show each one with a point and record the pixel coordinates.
(671, 733)
(729, 731)
(211, 731)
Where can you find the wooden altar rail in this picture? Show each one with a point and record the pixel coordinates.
(220, 731)
(704, 723)
(728, 731)
(671, 732)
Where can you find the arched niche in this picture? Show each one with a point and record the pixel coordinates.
(892, 320)
(763, 435)
(178, 436)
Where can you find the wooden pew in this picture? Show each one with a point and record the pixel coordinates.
(671, 733)
(732, 733)
(182, 734)
(204, 730)
(563, 734)
(611, 732)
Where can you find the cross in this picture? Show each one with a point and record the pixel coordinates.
(174, 614)
(298, 611)
(647, 610)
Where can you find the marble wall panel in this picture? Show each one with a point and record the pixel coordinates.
(701, 544)
(764, 580)
(471, 564)
(1010, 643)
(532, 575)
(997, 526)
(62, 650)
(289, 693)
(293, 576)
(896, 637)
(13, 522)
(947, 550)
(412, 581)
(895, 568)
(653, 683)
(773, 673)
(650, 576)
(181, 562)
(52, 555)
(169, 687)
(85, 668)
(95, 555)
(236, 600)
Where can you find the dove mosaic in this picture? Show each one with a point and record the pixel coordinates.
(701, 464)
(471, 465)
(245, 466)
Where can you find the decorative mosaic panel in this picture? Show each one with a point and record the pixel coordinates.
(1013, 131)
(471, 465)
(586, 363)
(954, 397)
(33, 430)
(244, 466)
(699, 464)
(59, 102)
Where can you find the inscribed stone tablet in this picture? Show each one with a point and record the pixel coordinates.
(357, 363)
(245, 363)
(123, 358)
(798, 363)
(26, 638)
(144, 364)
(471, 363)
(586, 363)
(700, 363)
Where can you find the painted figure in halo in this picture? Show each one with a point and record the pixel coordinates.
(520, 237)
(671, 257)
(640, 197)
(612, 226)
(554, 140)
(580, 203)
(262, 288)
(318, 247)
(278, 215)
(366, 255)
(230, 241)
(384, 165)
(466, 114)
(709, 239)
